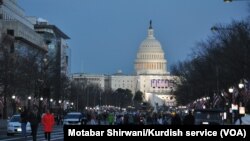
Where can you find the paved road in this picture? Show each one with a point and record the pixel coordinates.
(57, 135)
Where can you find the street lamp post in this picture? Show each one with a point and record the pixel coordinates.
(14, 104)
(228, 1)
(29, 99)
(46, 89)
(40, 105)
(87, 97)
(72, 106)
(50, 103)
(231, 90)
(100, 99)
(67, 105)
(60, 106)
(241, 86)
(217, 29)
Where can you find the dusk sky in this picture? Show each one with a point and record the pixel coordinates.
(106, 34)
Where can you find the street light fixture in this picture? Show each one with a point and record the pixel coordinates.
(50, 102)
(241, 108)
(214, 28)
(228, 1)
(241, 85)
(46, 88)
(45, 60)
(234, 104)
(231, 90)
(40, 105)
(29, 98)
(14, 103)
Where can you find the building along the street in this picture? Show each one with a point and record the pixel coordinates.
(19, 41)
(151, 76)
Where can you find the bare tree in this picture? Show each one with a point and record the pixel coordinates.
(6, 69)
(216, 64)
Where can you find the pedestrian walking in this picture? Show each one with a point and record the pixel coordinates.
(24, 120)
(48, 122)
(176, 120)
(34, 119)
(189, 119)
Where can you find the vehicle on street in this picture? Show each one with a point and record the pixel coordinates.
(14, 126)
(73, 118)
(208, 117)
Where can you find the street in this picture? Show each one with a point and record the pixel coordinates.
(57, 135)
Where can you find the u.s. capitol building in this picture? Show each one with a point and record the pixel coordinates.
(151, 76)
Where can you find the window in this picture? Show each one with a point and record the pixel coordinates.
(1, 16)
(10, 32)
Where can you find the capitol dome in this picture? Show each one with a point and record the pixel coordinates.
(150, 57)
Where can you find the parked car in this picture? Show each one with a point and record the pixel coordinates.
(208, 117)
(73, 118)
(14, 126)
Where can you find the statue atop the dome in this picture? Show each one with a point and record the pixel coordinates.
(150, 24)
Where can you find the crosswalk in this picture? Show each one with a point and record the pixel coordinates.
(56, 135)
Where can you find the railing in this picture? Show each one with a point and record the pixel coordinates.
(16, 12)
(22, 31)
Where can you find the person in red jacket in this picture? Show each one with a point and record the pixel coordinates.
(48, 122)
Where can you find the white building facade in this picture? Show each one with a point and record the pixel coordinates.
(10, 10)
(94, 79)
(153, 79)
(123, 81)
(151, 75)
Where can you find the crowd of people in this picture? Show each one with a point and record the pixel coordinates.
(34, 118)
(48, 120)
(136, 118)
